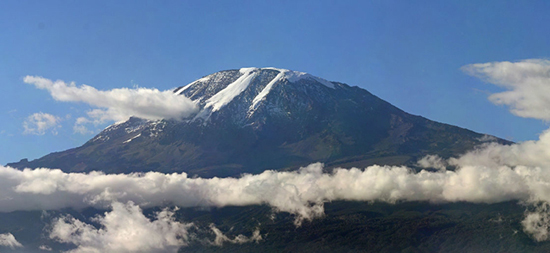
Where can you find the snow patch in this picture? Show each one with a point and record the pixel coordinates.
(294, 76)
(226, 95)
(132, 129)
(217, 101)
(261, 96)
(116, 124)
(102, 138)
(156, 128)
(247, 70)
(129, 140)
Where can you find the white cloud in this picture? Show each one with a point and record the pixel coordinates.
(528, 153)
(527, 85)
(45, 248)
(487, 138)
(432, 161)
(118, 104)
(124, 229)
(39, 123)
(537, 222)
(8, 240)
(80, 126)
(240, 239)
(301, 192)
(530, 160)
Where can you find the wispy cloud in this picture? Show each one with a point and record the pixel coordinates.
(45, 248)
(39, 123)
(80, 126)
(527, 85)
(221, 238)
(117, 104)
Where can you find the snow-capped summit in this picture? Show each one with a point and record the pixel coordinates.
(248, 87)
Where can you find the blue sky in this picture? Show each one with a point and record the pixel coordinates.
(409, 54)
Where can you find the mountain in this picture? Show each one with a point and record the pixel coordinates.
(252, 119)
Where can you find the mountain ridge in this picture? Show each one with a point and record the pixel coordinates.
(252, 119)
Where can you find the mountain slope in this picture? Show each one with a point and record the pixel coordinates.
(255, 119)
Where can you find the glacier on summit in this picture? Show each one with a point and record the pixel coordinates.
(211, 102)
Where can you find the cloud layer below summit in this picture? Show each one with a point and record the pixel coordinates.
(301, 192)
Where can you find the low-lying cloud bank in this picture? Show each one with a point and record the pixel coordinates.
(302, 192)
(117, 104)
